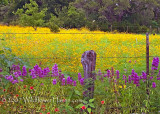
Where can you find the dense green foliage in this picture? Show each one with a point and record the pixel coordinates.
(106, 15)
(30, 16)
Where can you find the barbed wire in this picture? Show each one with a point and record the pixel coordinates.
(77, 33)
(79, 58)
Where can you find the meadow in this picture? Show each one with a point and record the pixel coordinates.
(121, 51)
(66, 49)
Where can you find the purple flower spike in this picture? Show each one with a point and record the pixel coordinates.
(129, 79)
(151, 78)
(36, 67)
(63, 81)
(21, 80)
(136, 79)
(14, 81)
(54, 82)
(133, 73)
(82, 81)
(10, 78)
(69, 81)
(16, 74)
(74, 83)
(19, 73)
(154, 85)
(155, 63)
(24, 71)
(108, 73)
(144, 75)
(124, 77)
(79, 76)
(47, 69)
(55, 70)
(33, 77)
(117, 72)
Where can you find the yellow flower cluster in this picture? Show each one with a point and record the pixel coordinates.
(67, 47)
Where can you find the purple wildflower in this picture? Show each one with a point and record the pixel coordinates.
(144, 75)
(129, 79)
(74, 83)
(21, 80)
(154, 85)
(10, 78)
(155, 63)
(14, 81)
(36, 67)
(69, 81)
(24, 71)
(108, 73)
(136, 79)
(124, 77)
(16, 74)
(82, 81)
(79, 76)
(63, 81)
(19, 73)
(151, 78)
(117, 72)
(54, 82)
(55, 70)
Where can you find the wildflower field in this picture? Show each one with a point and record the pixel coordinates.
(44, 73)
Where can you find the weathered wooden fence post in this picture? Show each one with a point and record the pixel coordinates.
(147, 53)
(88, 61)
(147, 60)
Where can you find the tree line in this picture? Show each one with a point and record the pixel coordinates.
(122, 15)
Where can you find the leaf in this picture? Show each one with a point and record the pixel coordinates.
(91, 100)
(77, 92)
(89, 110)
(85, 102)
(80, 105)
(91, 105)
(69, 107)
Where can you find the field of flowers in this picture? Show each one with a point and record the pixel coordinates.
(52, 81)
(66, 49)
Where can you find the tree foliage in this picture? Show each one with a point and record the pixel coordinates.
(94, 14)
(30, 15)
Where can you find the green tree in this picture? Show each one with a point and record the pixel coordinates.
(53, 24)
(30, 15)
(72, 17)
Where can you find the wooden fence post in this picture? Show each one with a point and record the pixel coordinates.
(88, 61)
(147, 53)
(147, 60)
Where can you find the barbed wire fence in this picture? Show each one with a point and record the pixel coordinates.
(100, 57)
